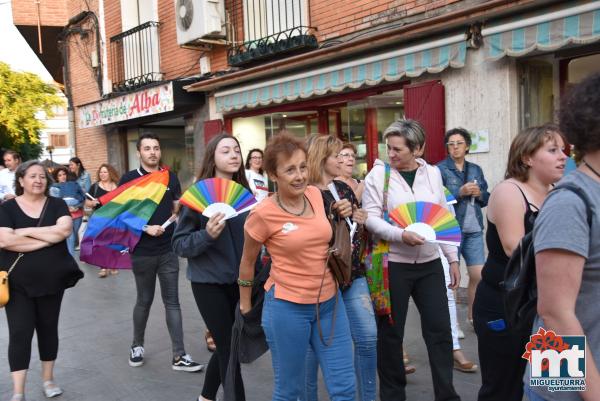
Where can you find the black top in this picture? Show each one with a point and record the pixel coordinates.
(409, 176)
(345, 192)
(492, 274)
(210, 260)
(45, 271)
(97, 191)
(149, 245)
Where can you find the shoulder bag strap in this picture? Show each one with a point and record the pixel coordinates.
(21, 254)
(386, 185)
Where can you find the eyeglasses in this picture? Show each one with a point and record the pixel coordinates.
(457, 143)
(347, 155)
(256, 158)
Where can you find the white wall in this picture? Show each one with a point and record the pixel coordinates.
(483, 95)
(250, 132)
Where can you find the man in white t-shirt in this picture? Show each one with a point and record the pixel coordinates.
(7, 176)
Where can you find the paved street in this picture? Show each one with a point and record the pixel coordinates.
(95, 334)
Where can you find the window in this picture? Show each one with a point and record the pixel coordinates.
(59, 140)
(135, 52)
(264, 18)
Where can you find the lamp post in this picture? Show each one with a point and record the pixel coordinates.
(50, 149)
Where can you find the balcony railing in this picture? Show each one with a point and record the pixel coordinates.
(272, 28)
(135, 56)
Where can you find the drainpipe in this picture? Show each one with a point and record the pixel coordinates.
(71, 28)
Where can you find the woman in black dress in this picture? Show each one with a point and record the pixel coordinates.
(33, 228)
(107, 179)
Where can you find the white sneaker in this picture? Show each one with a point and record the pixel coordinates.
(461, 334)
(51, 390)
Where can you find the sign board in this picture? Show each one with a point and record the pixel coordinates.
(154, 100)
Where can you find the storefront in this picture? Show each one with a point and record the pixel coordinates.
(507, 73)
(354, 100)
(165, 110)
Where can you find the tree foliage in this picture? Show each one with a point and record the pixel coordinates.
(22, 95)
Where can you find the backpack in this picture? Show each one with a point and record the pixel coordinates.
(519, 286)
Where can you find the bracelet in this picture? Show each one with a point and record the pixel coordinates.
(245, 283)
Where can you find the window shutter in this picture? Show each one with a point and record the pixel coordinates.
(212, 128)
(424, 102)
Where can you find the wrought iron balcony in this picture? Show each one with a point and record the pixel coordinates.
(272, 28)
(135, 56)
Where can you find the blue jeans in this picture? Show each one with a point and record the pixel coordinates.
(291, 329)
(472, 248)
(531, 396)
(73, 237)
(364, 334)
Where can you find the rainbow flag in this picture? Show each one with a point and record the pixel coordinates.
(114, 230)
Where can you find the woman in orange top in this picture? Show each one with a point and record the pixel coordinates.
(293, 226)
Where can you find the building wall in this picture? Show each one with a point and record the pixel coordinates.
(483, 95)
(51, 13)
(90, 144)
(338, 18)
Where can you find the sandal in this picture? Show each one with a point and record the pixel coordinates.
(114, 272)
(102, 273)
(466, 367)
(18, 397)
(409, 369)
(210, 342)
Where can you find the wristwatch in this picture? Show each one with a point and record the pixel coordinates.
(145, 228)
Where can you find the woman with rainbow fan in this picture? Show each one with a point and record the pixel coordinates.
(213, 246)
(414, 266)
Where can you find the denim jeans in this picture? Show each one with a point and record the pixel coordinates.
(71, 239)
(291, 329)
(363, 329)
(531, 396)
(145, 270)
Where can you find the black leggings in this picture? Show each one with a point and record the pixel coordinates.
(24, 315)
(217, 303)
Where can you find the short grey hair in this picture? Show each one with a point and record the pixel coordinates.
(412, 132)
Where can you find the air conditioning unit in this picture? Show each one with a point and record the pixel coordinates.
(199, 20)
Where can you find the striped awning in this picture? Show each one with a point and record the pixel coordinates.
(547, 32)
(432, 57)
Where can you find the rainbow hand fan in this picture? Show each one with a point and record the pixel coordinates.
(450, 199)
(429, 220)
(218, 195)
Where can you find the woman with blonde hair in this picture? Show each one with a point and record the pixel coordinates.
(535, 162)
(324, 163)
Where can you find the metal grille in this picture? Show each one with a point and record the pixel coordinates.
(135, 57)
(271, 27)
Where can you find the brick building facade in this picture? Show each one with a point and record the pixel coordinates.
(330, 67)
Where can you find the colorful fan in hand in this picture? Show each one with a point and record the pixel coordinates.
(218, 195)
(450, 199)
(430, 220)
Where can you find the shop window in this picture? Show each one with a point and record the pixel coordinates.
(536, 93)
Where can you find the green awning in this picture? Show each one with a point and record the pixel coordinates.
(547, 32)
(391, 66)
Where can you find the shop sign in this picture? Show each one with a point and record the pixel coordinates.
(158, 99)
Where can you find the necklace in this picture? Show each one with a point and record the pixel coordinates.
(287, 211)
(591, 168)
